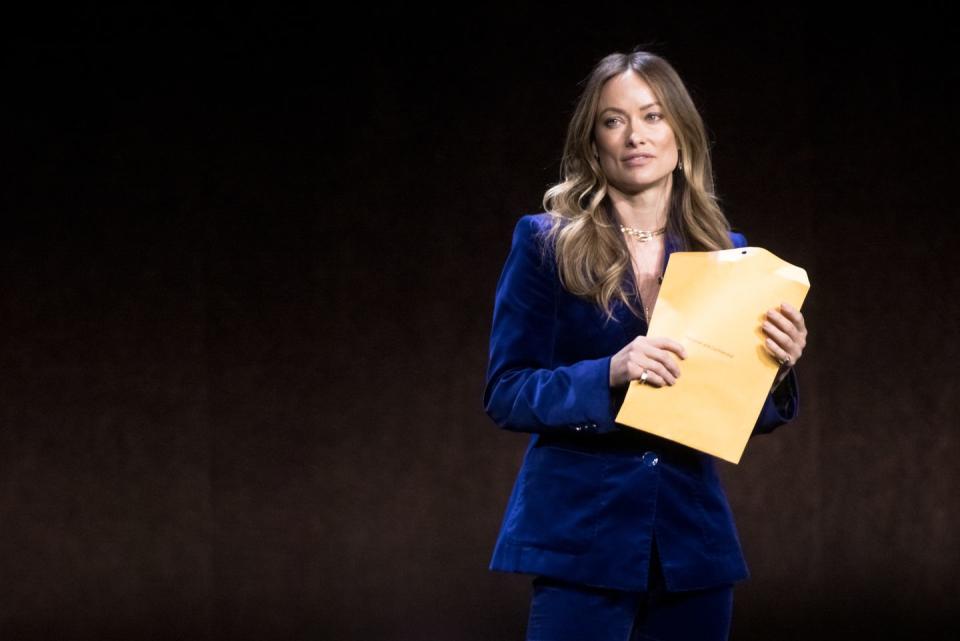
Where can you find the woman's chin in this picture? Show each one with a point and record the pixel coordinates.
(634, 187)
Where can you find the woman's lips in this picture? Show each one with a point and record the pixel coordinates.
(637, 160)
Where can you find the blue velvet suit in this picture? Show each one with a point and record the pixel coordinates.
(591, 494)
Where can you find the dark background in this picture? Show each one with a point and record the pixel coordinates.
(248, 272)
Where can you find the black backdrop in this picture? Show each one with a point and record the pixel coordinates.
(248, 272)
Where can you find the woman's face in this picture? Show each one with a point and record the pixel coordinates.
(636, 147)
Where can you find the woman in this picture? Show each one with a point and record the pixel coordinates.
(628, 535)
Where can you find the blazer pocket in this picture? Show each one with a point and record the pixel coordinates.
(560, 499)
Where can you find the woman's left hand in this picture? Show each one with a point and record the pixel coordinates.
(786, 337)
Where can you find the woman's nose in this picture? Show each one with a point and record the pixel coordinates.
(636, 136)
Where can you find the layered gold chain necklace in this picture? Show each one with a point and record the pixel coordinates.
(642, 234)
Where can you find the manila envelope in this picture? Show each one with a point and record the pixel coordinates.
(714, 304)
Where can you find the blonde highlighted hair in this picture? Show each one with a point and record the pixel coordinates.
(591, 253)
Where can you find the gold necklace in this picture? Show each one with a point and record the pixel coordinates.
(642, 234)
(646, 309)
(649, 292)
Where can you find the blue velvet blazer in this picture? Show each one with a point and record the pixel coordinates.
(591, 494)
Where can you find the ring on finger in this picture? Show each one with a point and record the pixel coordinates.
(643, 375)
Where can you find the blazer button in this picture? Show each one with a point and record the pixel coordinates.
(650, 459)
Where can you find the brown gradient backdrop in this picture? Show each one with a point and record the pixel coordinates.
(248, 276)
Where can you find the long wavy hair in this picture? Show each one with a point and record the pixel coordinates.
(591, 254)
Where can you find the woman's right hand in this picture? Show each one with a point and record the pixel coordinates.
(653, 353)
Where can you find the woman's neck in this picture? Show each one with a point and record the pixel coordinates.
(645, 210)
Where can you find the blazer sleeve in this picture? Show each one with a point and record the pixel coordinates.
(525, 390)
(783, 403)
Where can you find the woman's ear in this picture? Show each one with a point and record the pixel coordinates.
(593, 146)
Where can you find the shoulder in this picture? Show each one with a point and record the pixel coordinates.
(738, 239)
(531, 229)
(530, 225)
(529, 246)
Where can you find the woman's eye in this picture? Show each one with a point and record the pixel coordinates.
(609, 121)
(655, 116)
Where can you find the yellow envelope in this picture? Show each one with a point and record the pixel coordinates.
(714, 303)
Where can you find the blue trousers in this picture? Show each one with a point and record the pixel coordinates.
(561, 611)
